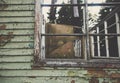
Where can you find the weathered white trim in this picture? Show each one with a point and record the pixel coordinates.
(118, 31)
(37, 32)
(106, 39)
(98, 42)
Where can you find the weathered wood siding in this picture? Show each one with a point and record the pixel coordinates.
(17, 50)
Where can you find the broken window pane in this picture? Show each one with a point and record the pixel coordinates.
(63, 46)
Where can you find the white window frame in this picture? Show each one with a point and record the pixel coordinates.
(40, 60)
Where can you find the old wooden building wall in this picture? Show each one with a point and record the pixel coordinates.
(17, 51)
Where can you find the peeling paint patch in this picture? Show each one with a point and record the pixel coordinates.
(73, 81)
(71, 73)
(6, 39)
(3, 5)
(106, 80)
(2, 27)
(93, 80)
(115, 75)
(118, 81)
(97, 73)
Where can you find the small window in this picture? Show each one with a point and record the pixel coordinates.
(69, 32)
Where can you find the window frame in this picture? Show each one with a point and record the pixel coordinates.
(88, 61)
(114, 13)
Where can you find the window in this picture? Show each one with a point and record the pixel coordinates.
(107, 45)
(70, 33)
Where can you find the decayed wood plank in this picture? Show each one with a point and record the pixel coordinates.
(61, 73)
(17, 19)
(22, 39)
(17, 32)
(43, 73)
(37, 34)
(19, 1)
(16, 65)
(16, 52)
(20, 7)
(16, 59)
(18, 26)
(17, 45)
(17, 13)
(33, 79)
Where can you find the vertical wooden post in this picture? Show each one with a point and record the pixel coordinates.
(37, 33)
(118, 31)
(87, 56)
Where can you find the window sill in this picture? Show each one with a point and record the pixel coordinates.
(93, 63)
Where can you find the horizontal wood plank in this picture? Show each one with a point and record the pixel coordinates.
(19, 7)
(16, 59)
(17, 19)
(17, 13)
(42, 73)
(11, 52)
(22, 38)
(16, 32)
(19, 1)
(17, 26)
(17, 45)
(15, 65)
(32, 79)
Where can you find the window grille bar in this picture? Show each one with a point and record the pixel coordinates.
(102, 30)
(106, 39)
(62, 34)
(110, 34)
(98, 43)
(111, 25)
(83, 4)
(92, 46)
